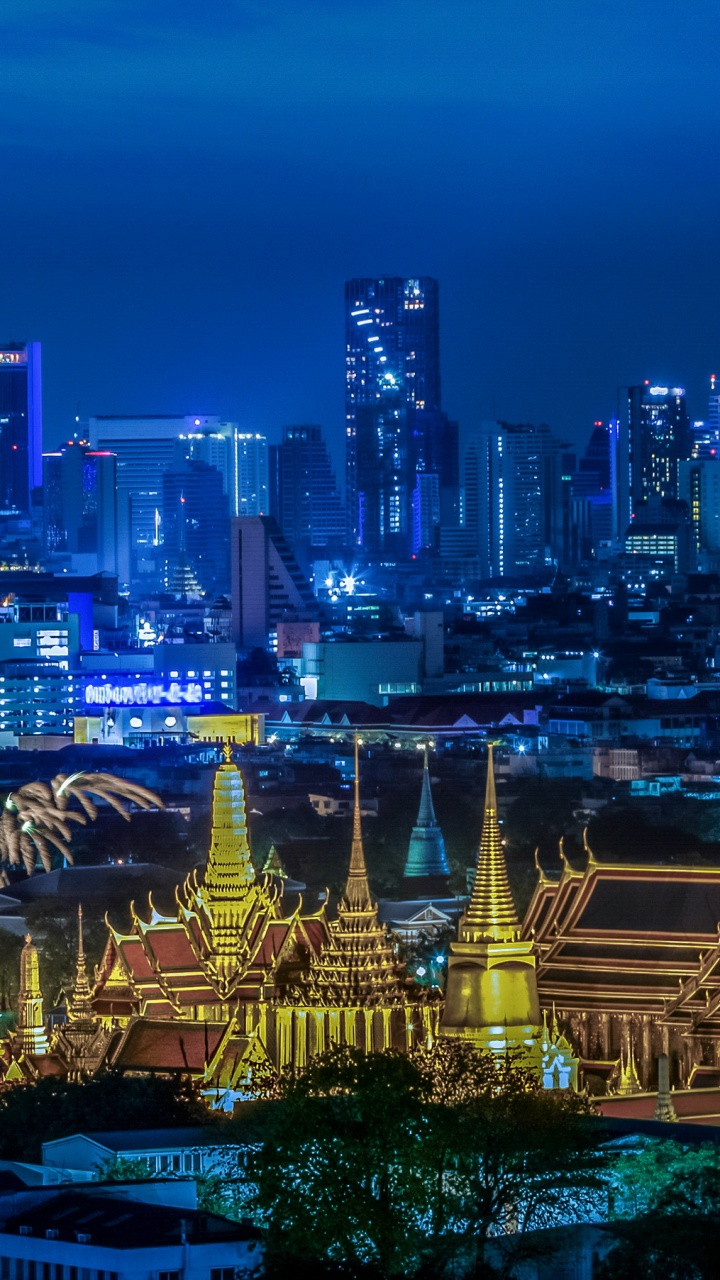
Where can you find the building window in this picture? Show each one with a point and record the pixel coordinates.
(222, 1273)
(168, 1275)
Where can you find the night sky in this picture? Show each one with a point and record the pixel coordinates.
(185, 187)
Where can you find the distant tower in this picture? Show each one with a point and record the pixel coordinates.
(20, 424)
(394, 424)
(31, 1025)
(304, 497)
(426, 869)
(492, 999)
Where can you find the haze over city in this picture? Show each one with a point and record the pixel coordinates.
(186, 190)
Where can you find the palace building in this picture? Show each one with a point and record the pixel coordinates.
(630, 956)
(240, 980)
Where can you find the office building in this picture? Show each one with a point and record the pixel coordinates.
(658, 438)
(196, 526)
(394, 422)
(699, 487)
(517, 494)
(252, 484)
(267, 585)
(80, 507)
(304, 495)
(20, 425)
(426, 511)
(145, 447)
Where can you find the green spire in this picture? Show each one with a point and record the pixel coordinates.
(491, 911)
(426, 850)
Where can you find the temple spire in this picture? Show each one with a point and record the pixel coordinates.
(31, 1024)
(426, 867)
(80, 1006)
(229, 865)
(491, 911)
(357, 891)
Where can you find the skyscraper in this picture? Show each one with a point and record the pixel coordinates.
(146, 447)
(515, 497)
(80, 505)
(304, 495)
(20, 424)
(267, 584)
(251, 475)
(658, 438)
(394, 422)
(196, 526)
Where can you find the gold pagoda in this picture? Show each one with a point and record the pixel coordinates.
(492, 999)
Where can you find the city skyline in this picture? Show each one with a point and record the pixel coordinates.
(194, 198)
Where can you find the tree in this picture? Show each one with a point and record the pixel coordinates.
(52, 1107)
(405, 1164)
(667, 1202)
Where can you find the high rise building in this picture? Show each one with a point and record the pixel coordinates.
(658, 438)
(394, 423)
(267, 584)
(252, 483)
(304, 495)
(80, 506)
(20, 424)
(516, 499)
(196, 527)
(146, 447)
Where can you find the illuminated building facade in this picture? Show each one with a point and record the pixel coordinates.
(658, 430)
(394, 423)
(20, 425)
(252, 484)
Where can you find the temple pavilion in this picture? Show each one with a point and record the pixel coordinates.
(630, 956)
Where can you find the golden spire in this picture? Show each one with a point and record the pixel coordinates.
(229, 865)
(491, 911)
(80, 1006)
(357, 891)
(31, 1024)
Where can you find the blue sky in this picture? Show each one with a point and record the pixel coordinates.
(185, 189)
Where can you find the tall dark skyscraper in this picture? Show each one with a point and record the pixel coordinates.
(658, 431)
(196, 524)
(304, 497)
(80, 505)
(20, 424)
(394, 422)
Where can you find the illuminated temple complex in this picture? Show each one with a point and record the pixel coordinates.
(612, 966)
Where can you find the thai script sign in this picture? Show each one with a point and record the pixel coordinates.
(141, 694)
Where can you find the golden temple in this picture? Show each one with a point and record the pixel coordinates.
(240, 979)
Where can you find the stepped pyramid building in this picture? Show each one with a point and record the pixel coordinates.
(492, 999)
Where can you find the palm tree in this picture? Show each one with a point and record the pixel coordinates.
(38, 818)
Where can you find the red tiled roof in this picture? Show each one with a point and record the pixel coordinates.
(169, 1046)
(171, 948)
